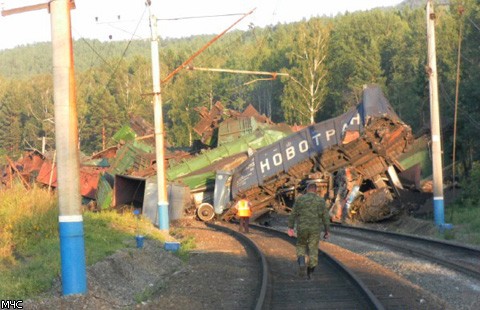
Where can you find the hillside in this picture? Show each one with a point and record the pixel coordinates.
(413, 4)
(36, 59)
(384, 46)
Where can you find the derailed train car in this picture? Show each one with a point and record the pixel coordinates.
(353, 157)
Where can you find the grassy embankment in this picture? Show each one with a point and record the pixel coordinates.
(29, 241)
(466, 222)
(464, 214)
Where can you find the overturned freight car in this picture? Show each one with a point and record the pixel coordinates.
(361, 147)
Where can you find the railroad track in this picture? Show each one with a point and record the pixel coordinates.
(341, 281)
(454, 256)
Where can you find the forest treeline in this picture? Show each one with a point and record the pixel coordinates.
(328, 60)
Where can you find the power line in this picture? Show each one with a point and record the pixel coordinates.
(462, 109)
(191, 58)
(126, 49)
(125, 31)
(471, 119)
(198, 17)
(95, 51)
(473, 23)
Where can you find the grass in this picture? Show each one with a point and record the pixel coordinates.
(464, 213)
(466, 222)
(148, 292)
(29, 241)
(187, 243)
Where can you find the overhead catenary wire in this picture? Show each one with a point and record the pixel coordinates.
(200, 16)
(473, 23)
(461, 109)
(123, 54)
(125, 31)
(238, 40)
(93, 60)
(273, 74)
(185, 63)
(114, 71)
(235, 41)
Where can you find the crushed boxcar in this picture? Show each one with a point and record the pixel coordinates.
(365, 143)
(359, 159)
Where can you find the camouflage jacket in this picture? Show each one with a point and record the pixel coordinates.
(309, 212)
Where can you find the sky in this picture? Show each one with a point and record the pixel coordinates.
(128, 19)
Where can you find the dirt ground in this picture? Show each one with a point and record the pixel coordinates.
(218, 273)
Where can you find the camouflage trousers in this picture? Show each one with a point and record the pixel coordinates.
(307, 245)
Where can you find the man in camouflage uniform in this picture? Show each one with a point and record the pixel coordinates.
(309, 212)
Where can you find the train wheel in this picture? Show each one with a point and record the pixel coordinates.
(205, 212)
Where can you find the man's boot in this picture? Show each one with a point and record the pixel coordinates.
(309, 272)
(301, 266)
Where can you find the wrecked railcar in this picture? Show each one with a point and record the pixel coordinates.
(367, 139)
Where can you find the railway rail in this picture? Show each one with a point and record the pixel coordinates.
(343, 280)
(461, 258)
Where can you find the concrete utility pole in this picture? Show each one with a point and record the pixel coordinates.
(72, 244)
(162, 198)
(438, 201)
(72, 247)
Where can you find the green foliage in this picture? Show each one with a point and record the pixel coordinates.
(470, 190)
(149, 292)
(383, 46)
(464, 214)
(363, 46)
(466, 222)
(29, 247)
(27, 60)
(187, 244)
(305, 91)
(468, 113)
(11, 119)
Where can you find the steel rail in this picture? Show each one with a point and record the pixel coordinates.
(260, 300)
(371, 299)
(469, 251)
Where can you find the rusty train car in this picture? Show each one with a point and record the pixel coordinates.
(366, 141)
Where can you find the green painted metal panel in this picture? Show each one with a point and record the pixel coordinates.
(258, 139)
(232, 129)
(203, 180)
(104, 193)
(130, 155)
(125, 134)
(100, 162)
(419, 153)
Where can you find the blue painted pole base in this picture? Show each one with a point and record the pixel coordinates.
(72, 253)
(438, 211)
(163, 221)
(439, 215)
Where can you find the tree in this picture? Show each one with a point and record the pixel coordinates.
(11, 104)
(468, 107)
(100, 112)
(39, 112)
(306, 88)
